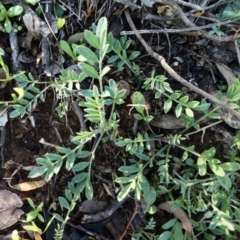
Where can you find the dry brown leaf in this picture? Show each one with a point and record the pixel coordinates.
(170, 121)
(166, 10)
(226, 72)
(10, 164)
(37, 236)
(167, 121)
(199, 13)
(179, 213)
(27, 186)
(9, 210)
(75, 38)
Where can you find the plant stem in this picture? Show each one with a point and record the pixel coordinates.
(93, 153)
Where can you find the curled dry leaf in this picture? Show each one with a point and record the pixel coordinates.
(167, 121)
(166, 10)
(37, 236)
(27, 186)
(226, 72)
(179, 213)
(170, 121)
(9, 210)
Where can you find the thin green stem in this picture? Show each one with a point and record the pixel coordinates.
(5, 69)
(201, 119)
(93, 152)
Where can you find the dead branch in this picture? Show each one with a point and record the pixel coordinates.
(129, 223)
(188, 23)
(188, 4)
(189, 29)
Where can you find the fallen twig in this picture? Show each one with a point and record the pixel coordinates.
(130, 221)
(202, 129)
(189, 4)
(184, 82)
(179, 30)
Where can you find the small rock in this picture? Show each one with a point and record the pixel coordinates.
(124, 85)
(30, 144)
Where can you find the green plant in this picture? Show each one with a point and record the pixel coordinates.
(231, 11)
(218, 31)
(196, 181)
(68, 203)
(6, 14)
(95, 101)
(145, 233)
(119, 47)
(72, 51)
(61, 22)
(29, 223)
(236, 140)
(9, 78)
(32, 2)
(35, 213)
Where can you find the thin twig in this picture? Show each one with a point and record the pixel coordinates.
(80, 114)
(226, 23)
(203, 3)
(188, 4)
(175, 75)
(189, 29)
(237, 51)
(217, 4)
(158, 17)
(47, 22)
(202, 129)
(130, 3)
(130, 221)
(70, 9)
